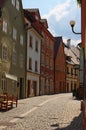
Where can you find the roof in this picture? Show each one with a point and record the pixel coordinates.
(29, 15)
(35, 12)
(30, 21)
(44, 22)
(74, 53)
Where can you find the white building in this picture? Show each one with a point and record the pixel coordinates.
(33, 62)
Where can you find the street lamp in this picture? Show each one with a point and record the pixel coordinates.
(72, 24)
(81, 69)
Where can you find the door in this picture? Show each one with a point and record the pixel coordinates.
(35, 88)
(28, 88)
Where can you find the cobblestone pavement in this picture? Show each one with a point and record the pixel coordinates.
(50, 112)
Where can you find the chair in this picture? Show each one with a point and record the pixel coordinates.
(15, 100)
(7, 102)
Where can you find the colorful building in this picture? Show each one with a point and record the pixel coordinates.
(60, 66)
(33, 55)
(72, 54)
(47, 54)
(12, 49)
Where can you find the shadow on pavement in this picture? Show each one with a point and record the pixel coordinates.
(76, 124)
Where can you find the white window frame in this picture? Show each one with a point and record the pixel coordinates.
(14, 33)
(4, 82)
(4, 52)
(13, 2)
(17, 4)
(21, 61)
(21, 39)
(4, 26)
(13, 89)
(14, 58)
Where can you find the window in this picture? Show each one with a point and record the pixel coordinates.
(17, 4)
(21, 60)
(51, 46)
(47, 60)
(14, 58)
(71, 71)
(75, 71)
(51, 62)
(13, 88)
(21, 39)
(36, 47)
(47, 42)
(13, 2)
(30, 42)
(36, 66)
(4, 83)
(4, 53)
(30, 63)
(42, 58)
(67, 70)
(14, 33)
(5, 26)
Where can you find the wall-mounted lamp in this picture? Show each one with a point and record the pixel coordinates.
(72, 24)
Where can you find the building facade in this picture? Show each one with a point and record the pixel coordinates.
(12, 49)
(72, 54)
(47, 54)
(60, 66)
(33, 56)
(47, 63)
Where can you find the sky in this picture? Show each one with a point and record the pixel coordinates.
(59, 13)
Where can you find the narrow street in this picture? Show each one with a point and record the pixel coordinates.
(50, 112)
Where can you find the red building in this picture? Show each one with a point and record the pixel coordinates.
(60, 64)
(47, 60)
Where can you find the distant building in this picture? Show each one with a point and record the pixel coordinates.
(72, 54)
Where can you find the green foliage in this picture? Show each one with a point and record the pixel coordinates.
(79, 2)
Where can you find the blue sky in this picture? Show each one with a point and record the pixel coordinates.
(58, 14)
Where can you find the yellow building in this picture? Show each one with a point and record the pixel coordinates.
(72, 67)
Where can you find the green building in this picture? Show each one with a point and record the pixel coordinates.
(12, 49)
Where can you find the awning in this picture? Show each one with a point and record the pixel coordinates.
(12, 77)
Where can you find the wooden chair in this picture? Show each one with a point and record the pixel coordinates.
(15, 100)
(7, 102)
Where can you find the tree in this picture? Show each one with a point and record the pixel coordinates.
(79, 2)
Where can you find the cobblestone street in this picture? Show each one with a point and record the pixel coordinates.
(50, 112)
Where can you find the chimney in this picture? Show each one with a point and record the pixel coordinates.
(68, 43)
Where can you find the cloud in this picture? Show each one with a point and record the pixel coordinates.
(59, 17)
(59, 11)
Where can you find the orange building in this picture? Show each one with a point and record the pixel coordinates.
(60, 64)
